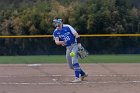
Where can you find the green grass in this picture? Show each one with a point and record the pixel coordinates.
(61, 59)
(113, 59)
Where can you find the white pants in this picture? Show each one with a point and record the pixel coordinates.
(72, 60)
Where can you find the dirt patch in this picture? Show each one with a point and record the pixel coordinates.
(56, 78)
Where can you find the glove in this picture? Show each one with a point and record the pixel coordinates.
(82, 52)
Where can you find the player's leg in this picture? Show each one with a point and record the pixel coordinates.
(72, 66)
(78, 71)
(75, 63)
(68, 57)
(75, 67)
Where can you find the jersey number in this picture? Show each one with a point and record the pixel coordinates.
(67, 38)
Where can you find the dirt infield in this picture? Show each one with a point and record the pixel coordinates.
(56, 78)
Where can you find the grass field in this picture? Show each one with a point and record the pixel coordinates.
(61, 59)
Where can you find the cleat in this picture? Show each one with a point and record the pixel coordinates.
(77, 80)
(83, 77)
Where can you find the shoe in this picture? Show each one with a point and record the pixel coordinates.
(82, 77)
(77, 80)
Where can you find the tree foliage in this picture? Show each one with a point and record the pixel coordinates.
(86, 16)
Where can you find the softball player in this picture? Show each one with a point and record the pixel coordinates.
(67, 36)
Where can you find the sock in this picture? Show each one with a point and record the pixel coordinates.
(77, 70)
(77, 74)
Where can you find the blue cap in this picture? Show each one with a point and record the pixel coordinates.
(57, 21)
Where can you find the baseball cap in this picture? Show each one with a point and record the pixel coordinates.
(57, 21)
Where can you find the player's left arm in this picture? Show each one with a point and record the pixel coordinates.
(74, 32)
(81, 50)
(57, 40)
(78, 39)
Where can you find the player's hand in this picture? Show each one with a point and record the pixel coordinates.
(79, 45)
(62, 43)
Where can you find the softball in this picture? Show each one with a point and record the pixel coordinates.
(72, 54)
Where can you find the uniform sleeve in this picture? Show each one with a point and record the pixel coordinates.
(72, 29)
(55, 34)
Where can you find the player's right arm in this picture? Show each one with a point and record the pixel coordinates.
(58, 42)
(56, 38)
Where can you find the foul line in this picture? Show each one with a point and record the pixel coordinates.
(63, 83)
(69, 83)
(58, 75)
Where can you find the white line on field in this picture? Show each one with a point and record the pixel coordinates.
(58, 75)
(83, 83)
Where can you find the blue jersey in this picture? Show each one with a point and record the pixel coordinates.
(66, 34)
